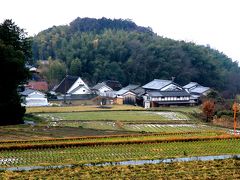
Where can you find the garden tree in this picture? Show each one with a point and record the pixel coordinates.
(14, 52)
(208, 108)
(136, 53)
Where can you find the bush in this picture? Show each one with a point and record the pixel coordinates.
(224, 112)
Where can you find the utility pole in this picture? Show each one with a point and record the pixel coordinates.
(65, 87)
(235, 109)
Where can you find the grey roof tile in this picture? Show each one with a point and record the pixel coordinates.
(199, 89)
(157, 84)
(131, 87)
(190, 85)
(99, 86)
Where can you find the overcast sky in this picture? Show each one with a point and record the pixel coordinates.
(213, 22)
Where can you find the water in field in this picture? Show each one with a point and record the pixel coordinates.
(169, 160)
(126, 163)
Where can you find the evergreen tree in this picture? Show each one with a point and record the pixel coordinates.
(14, 51)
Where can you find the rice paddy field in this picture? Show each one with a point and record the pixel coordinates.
(78, 136)
(116, 115)
(128, 121)
(14, 154)
(82, 108)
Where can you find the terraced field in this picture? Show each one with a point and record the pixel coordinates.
(109, 135)
(82, 108)
(130, 148)
(132, 121)
(117, 116)
(135, 127)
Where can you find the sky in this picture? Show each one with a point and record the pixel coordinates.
(205, 22)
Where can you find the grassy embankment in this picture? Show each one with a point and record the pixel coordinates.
(220, 169)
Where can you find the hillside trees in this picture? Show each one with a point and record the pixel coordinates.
(119, 49)
(53, 71)
(14, 52)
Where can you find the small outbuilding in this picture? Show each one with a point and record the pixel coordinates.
(32, 97)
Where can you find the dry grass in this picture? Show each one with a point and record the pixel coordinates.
(221, 169)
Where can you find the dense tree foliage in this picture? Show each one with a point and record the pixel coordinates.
(100, 49)
(53, 71)
(15, 49)
(208, 109)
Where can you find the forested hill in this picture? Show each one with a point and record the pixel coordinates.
(101, 49)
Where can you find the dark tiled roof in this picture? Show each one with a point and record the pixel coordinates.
(66, 84)
(139, 91)
(168, 93)
(131, 87)
(122, 91)
(195, 88)
(99, 86)
(115, 85)
(28, 91)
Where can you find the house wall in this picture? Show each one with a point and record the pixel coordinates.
(102, 91)
(147, 104)
(129, 98)
(119, 101)
(78, 82)
(105, 89)
(185, 98)
(111, 94)
(36, 101)
(82, 90)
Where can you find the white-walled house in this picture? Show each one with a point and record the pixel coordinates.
(196, 91)
(72, 85)
(32, 97)
(164, 92)
(102, 89)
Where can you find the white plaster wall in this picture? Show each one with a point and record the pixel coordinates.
(78, 82)
(82, 90)
(171, 86)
